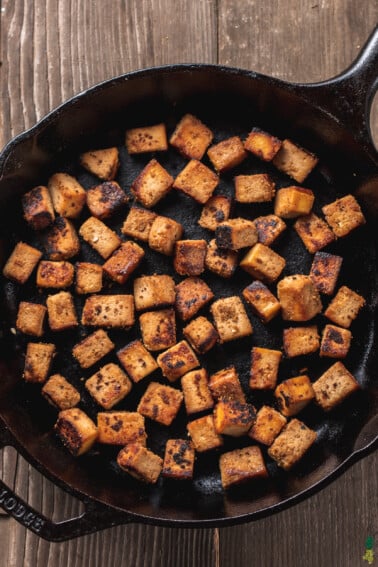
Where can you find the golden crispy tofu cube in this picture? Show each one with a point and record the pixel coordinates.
(61, 242)
(242, 465)
(146, 139)
(154, 292)
(140, 463)
(136, 360)
(344, 307)
(60, 393)
(300, 340)
(291, 202)
(67, 195)
(235, 234)
(61, 311)
(91, 349)
(160, 403)
(56, 275)
(261, 144)
(138, 223)
(88, 278)
(38, 360)
(269, 228)
(164, 233)
(231, 319)
(263, 263)
(299, 298)
(344, 215)
(76, 430)
(30, 318)
(191, 137)
(201, 334)
(335, 342)
(178, 459)
(158, 329)
(203, 434)
(269, 423)
(221, 261)
(294, 394)
(227, 154)
(152, 184)
(264, 368)
(102, 163)
(121, 428)
(216, 210)
(324, 271)
(123, 262)
(197, 181)
(189, 257)
(177, 361)
(195, 387)
(262, 301)
(192, 294)
(113, 311)
(314, 232)
(225, 386)
(334, 386)
(294, 161)
(258, 188)
(38, 208)
(105, 199)
(291, 444)
(21, 262)
(100, 237)
(108, 386)
(233, 418)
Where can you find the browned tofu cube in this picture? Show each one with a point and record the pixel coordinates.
(100, 237)
(91, 349)
(195, 387)
(242, 465)
(294, 161)
(197, 181)
(227, 154)
(160, 403)
(152, 184)
(335, 342)
(262, 301)
(293, 202)
(261, 144)
(60, 393)
(192, 294)
(314, 232)
(56, 275)
(324, 271)
(140, 463)
(178, 459)
(38, 360)
(108, 386)
(231, 319)
(30, 318)
(216, 210)
(269, 228)
(344, 215)
(67, 195)
(264, 368)
(113, 311)
(21, 262)
(233, 418)
(164, 233)
(88, 278)
(61, 311)
(158, 329)
(334, 386)
(177, 361)
(294, 394)
(221, 261)
(138, 224)
(201, 334)
(269, 423)
(146, 139)
(154, 292)
(300, 340)
(203, 434)
(38, 208)
(291, 444)
(102, 163)
(105, 199)
(344, 307)
(299, 298)
(76, 430)
(123, 262)
(235, 234)
(136, 360)
(225, 386)
(61, 242)
(191, 137)
(258, 188)
(189, 257)
(121, 428)
(263, 263)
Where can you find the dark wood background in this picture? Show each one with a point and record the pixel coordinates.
(52, 49)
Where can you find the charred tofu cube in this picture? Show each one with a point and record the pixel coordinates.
(203, 434)
(61, 241)
(178, 459)
(102, 163)
(146, 139)
(225, 386)
(264, 368)
(56, 275)
(108, 386)
(300, 340)
(299, 298)
(293, 202)
(154, 292)
(191, 137)
(233, 418)
(192, 294)
(314, 232)
(38, 360)
(263, 263)
(221, 261)
(269, 228)
(231, 319)
(123, 262)
(164, 234)
(141, 463)
(295, 161)
(325, 271)
(189, 257)
(195, 387)
(160, 403)
(291, 444)
(61, 311)
(269, 423)
(227, 154)
(335, 342)
(344, 215)
(235, 234)
(197, 181)
(334, 386)
(113, 311)
(201, 334)
(177, 361)
(38, 208)
(216, 210)
(158, 329)
(258, 188)
(152, 184)
(261, 144)
(138, 224)
(76, 430)
(100, 237)
(91, 349)
(242, 465)
(344, 307)
(121, 428)
(88, 278)
(294, 394)
(21, 263)
(136, 360)
(105, 199)
(262, 301)
(60, 393)
(30, 318)
(67, 195)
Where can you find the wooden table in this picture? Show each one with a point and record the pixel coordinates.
(52, 49)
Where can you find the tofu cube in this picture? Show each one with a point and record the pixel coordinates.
(152, 184)
(291, 202)
(160, 403)
(136, 360)
(269, 423)
(178, 459)
(262, 145)
(192, 294)
(189, 257)
(335, 342)
(344, 215)
(258, 188)
(269, 228)
(56, 275)
(298, 341)
(102, 163)
(88, 278)
(261, 299)
(38, 360)
(195, 387)
(191, 137)
(146, 139)
(216, 210)
(158, 329)
(91, 349)
(38, 208)
(233, 418)
(177, 361)
(141, 463)
(61, 242)
(231, 319)
(227, 154)
(154, 292)
(30, 318)
(324, 271)
(121, 428)
(242, 465)
(225, 386)
(60, 393)
(334, 386)
(264, 368)
(263, 263)
(113, 311)
(138, 224)
(67, 195)
(61, 311)
(197, 181)
(164, 234)
(294, 394)
(108, 386)
(235, 234)
(203, 434)
(105, 200)
(221, 261)
(100, 237)
(344, 307)
(314, 232)
(21, 263)
(291, 444)
(294, 161)
(201, 334)
(123, 262)
(299, 298)
(76, 430)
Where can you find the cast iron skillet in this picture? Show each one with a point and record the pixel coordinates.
(330, 118)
